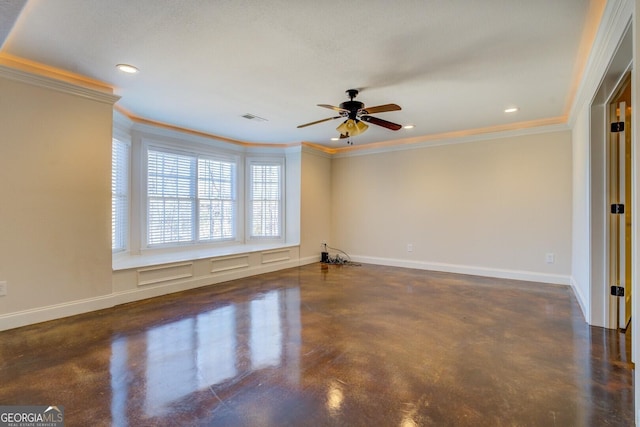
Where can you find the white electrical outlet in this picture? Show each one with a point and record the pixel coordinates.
(3, 289)
(410, 247)
(550, 258)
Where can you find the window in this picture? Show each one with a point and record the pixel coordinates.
(119, 195)
(216, 199)
(171, 192)
(178, 194)
(265, 199)
(190, 198)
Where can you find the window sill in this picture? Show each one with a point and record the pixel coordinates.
(129, 261)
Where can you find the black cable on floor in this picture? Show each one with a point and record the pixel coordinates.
(338, 260)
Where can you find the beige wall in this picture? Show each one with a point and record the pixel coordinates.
(55, 226)
(315, 216)
(493, 207)
(486, 207)
(55, 221)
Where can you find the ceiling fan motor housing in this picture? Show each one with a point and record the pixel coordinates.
(353, 107)
(352, 93)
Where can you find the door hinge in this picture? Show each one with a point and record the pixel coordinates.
(617, 291)
(617, 208)
(617, 126)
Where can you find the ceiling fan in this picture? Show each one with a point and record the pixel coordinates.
(356, 113)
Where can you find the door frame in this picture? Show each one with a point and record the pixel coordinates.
(619, 188)
(603, 307)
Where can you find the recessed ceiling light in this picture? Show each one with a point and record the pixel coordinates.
(511, 110)
(335, 138)
(409, 126)
(126, 68)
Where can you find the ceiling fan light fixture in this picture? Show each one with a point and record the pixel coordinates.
(352, 127)
(409, 126)
(361, 127)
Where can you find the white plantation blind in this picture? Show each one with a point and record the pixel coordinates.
(216, 199)
(171, 192)
(265, 199)
(190, 199)
(119, 195)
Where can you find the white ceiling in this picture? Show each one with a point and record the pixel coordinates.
(451, 65)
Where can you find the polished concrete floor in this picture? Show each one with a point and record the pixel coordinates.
(329, 346)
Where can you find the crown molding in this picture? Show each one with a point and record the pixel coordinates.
(557, 124)
(593, 20)
(57, 85)
(18, 69)
(316, 150)
(615, 21)
(173, 129)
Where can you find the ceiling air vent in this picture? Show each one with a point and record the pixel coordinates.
(250, 116)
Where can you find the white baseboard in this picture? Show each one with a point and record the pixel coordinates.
(309, 260)
(72, 308)
(581, 302)
(56, 311)
(529, 276)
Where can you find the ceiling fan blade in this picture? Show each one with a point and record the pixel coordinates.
(331, 107)
(380, 122)
(381, 108)
(319, 121)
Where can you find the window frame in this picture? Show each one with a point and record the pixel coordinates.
(121, 224)
(141, 138)
(195, 152)
(233, 200)
(179, 200)
(265, 161)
